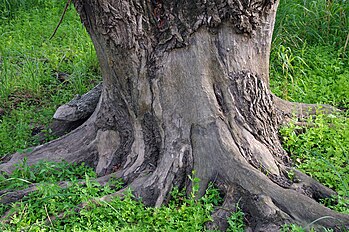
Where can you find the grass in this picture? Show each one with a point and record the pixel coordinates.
(30, 64)
(311, 74)
(309, 63)
(319, 22)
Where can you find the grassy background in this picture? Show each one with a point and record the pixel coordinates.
(30, 89)
(309, 63)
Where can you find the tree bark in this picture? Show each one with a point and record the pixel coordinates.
(186, 87)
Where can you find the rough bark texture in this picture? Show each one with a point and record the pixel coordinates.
(186, 87)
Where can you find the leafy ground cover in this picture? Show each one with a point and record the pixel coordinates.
(39, 210)
(309, 63)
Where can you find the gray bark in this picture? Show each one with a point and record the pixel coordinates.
(186, 87)
(81, 107)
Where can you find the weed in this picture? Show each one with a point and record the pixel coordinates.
(43, 172)
(321, 152)
(236, 221)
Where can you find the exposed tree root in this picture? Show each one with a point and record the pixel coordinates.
(301, 110)
(263, 212)
(77, 147)
(73, 114)
(308, 186)
(81, 107)
(268, 204)
(218, 155)
(10, 196)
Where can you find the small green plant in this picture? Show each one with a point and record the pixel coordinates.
(236, 221)
(321, 151)
(290, 175)
(293, 228)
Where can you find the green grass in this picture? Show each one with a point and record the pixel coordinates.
(309, 63)
(29, 63)
(310, 74)
(316, 22)
(310, 58)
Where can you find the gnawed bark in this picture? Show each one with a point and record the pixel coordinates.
(186, 87)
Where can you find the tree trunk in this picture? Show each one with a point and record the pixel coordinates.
(186, 87)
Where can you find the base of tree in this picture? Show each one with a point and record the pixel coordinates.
(186, 87)
(266, 196)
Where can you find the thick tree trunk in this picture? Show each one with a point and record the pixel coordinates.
(186, 87)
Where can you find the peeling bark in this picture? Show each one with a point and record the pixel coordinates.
(186, 87)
